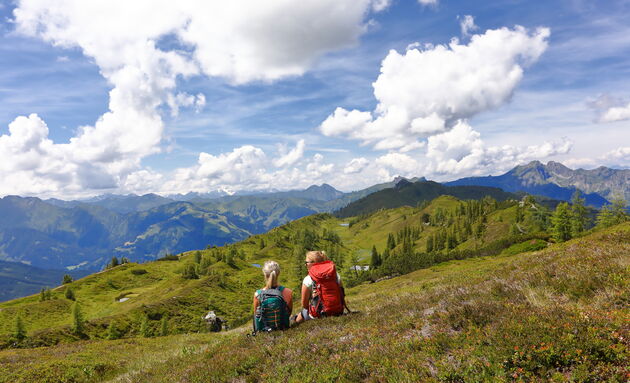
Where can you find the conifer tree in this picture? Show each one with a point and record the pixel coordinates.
(19, 331)
(113, 263)
(613, 214)
(385, 254)
(197, 257)
(164, 326)
(262, 243)
(561, 222)
(112, 331)
(230, 258)
(430, 244)
(391, 242)
(375, 260)
(579, 217)
(67, 279)
(144, 327)
(70, 294)
(78, 324)
(190, 272)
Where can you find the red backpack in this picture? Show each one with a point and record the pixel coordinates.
(327, 299)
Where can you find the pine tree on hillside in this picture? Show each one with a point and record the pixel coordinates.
(197, 257)
(262, 244)
(19, 331)
(144, 327)
(112, 331)
(430, 244)
(613, 214)
(69, 294)
(190, 272)
(78, 323)
(113, 263)
(561, 223)
(230, 258)
(391, 242)
(579, 215)
(375, 260)
(164, 326)
(385, 254)
(67, 279)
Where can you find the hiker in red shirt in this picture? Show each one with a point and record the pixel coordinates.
(322, 290)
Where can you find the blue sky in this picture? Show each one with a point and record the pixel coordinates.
(285, 96)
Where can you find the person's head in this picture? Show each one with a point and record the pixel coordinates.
(271, 270)
(315, 257)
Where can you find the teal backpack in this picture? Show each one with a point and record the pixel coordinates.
(272, 312)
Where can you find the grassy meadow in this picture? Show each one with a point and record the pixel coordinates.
(559, 314)
(494, 301)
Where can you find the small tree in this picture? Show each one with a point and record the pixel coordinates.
(197, 257)
(45, 294)
(112, 331)
(391, 242)
(113, 263)
(231, 256)
(144, 327)
(375, 260)
(579, 215)
(164, 326)
(190, 272)
(78, 323)
(67, 279)
(561, 222)
(124, 260)
(70, 294)
(19, 331)
(262, 244)
(613, 214)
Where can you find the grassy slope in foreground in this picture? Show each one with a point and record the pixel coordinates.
(559, 314)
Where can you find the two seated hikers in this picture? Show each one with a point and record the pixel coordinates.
(272, 304)
(322, 295)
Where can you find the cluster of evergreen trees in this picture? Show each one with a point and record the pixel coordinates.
(572, 220)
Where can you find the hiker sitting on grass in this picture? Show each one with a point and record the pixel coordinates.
(322, 290)
(272, 304)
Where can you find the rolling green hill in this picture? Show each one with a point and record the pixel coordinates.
(227, 275)
(411, 194)
(557, 314)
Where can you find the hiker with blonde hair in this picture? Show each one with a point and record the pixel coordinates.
(322, 290)
(273, 303)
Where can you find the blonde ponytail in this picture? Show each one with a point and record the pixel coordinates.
(271, 270)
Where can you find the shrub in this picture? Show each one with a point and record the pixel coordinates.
(70, 294)
(169, 257)
(138, 271)
(67, 279)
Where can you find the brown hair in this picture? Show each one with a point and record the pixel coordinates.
(316, 256)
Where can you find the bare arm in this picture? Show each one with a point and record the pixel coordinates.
(306, 296)
(289, 300)
(255, 304)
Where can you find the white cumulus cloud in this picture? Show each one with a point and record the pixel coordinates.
(462, 151)
(271, 40)
(356, 165)
(617, 113)
(293, 156)
(425, 92)
(467, 25)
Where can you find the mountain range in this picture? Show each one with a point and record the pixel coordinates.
(82, 236)
(554, 180)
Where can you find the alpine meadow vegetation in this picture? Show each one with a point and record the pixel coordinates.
(454, 290)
